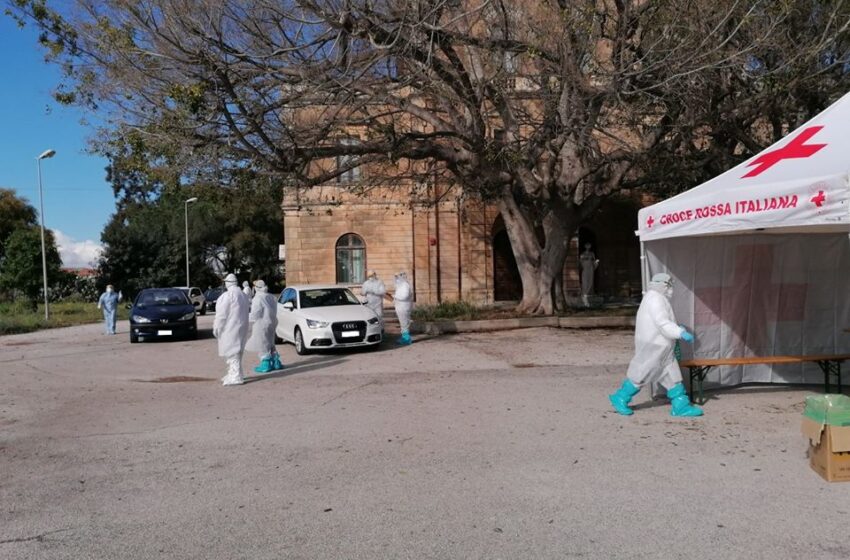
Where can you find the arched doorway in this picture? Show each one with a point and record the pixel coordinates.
(507, 284)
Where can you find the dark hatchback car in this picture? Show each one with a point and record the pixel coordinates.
(211, 296)
(162, 312)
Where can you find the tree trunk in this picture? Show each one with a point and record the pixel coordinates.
(540, 267)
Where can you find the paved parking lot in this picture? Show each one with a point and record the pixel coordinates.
(495, 445)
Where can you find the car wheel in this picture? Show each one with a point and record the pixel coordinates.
(300, 349)
(133, 338)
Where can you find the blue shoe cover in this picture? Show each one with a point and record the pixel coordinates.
(265, 366)
(405, 339)
(276, 363)
(622, 397)
(680, 403)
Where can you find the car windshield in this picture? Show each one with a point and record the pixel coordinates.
(162, 297)
(328, 297)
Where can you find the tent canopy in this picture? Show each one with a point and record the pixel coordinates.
(761, 254)
(802, 181)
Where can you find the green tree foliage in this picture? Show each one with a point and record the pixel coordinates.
(22, 270)
(15, 213)
(235, 226)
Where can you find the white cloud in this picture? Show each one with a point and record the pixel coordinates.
(77, 254)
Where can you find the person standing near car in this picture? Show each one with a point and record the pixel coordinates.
(374, 291)
(108, 302)
(263, 316)
(403, 298)
(231, 329)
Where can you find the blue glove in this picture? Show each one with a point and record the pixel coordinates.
(686, 336)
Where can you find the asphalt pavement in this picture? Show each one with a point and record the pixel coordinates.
(491, 446)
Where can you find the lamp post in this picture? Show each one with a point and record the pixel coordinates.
(186, 216)
(46, 154)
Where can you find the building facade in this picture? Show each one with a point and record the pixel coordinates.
(451, 249)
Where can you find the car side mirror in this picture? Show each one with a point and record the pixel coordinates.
(288, 305)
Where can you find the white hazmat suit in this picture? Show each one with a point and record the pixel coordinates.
(246, 289)
(231, 329)
(263, 316)
(374, 291)
(403, 298)
(656, 333)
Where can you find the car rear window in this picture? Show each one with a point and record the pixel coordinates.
(162, 297)
(328, 297)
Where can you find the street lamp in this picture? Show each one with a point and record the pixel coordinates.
(46, 154)
(186, 215)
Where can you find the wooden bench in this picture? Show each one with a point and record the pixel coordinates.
(830, 364)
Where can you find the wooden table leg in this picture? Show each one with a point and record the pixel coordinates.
(697, 375)
(830, 368)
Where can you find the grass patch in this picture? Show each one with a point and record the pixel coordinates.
(17, 317)
(457, 310)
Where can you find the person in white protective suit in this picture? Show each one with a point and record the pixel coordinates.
(108, 302)
(263, 316)
(374, 291)
(231, 329)
(246, 289)
(403, 298)
(656, 333)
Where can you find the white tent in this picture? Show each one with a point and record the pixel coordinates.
(761, 254)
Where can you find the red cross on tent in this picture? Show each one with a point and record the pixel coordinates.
(751, 305)
(796, 148)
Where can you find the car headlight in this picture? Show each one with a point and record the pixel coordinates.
(316, 324)
(188, 316)
(373, 321)
(140, 319)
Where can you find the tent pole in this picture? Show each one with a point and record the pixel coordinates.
(643, 267)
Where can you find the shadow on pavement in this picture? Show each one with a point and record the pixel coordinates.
(300, 367)
(717, 393)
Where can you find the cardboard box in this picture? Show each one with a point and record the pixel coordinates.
(829, 450)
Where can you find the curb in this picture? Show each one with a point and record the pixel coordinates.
(451, 327)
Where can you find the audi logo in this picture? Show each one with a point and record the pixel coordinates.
(349, 325)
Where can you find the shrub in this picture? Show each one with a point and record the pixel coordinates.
(462, 310)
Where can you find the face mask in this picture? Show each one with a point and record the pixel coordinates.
(109, 290)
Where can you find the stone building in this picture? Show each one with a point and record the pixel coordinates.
(451, 249)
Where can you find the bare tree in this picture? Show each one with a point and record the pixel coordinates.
(542, 107)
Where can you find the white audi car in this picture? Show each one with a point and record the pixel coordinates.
(316, 317)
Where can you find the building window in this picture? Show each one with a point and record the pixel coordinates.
(350, 175)
(350, 259)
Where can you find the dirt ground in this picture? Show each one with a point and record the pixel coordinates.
(496, 445)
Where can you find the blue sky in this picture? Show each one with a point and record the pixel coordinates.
(77, 199)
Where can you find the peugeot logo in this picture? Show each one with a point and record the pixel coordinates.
(163, 320)
(349, 326)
